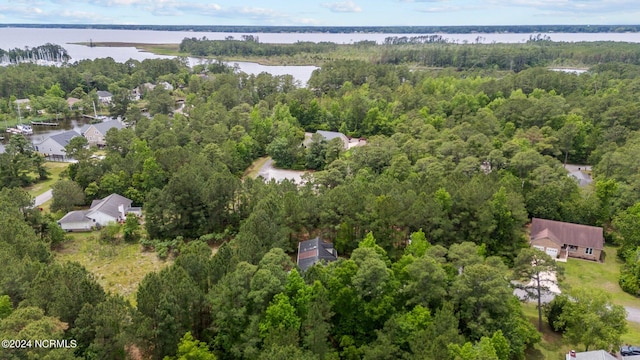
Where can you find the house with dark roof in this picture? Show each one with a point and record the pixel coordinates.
(561, 240)
(113, 208)
(53, 146)
(95, 133)
(313, 251)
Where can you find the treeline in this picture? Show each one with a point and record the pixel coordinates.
(515, 57)
(462, 29)
(47, 52)
(434, 51)
(204, 47)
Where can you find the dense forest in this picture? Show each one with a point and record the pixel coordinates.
(429, 51)
(429, 218)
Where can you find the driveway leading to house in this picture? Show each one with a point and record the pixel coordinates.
(269, 172)
(548, 280)
(43, 198)
(633, 314)
(575, 167)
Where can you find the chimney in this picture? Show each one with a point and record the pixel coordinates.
(121, 210)
(572, 354)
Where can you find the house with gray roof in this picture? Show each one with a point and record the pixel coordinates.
(105, 97)
(113, 208)
(330, 135)
(95, 133)
(313, 251)
(53, 147)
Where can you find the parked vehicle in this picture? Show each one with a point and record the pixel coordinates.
(629, 350)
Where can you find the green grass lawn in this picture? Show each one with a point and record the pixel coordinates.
(118, 268)
(601, 275)
(55, 168)
(551, 347)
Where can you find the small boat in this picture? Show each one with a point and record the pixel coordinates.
(25, 129)
(12, 130)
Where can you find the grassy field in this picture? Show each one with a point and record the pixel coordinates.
(118, 268)
(601, 275)
(55, 168)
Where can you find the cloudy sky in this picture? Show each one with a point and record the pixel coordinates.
(321, 12)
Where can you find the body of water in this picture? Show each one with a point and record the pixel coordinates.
(20, 37)
(41, 133)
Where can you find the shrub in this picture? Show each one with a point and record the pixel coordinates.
(553, 310)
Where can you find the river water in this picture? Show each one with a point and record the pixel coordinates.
(20, 37)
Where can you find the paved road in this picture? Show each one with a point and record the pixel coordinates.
(44, 197)
(633, 314)
(268, 172)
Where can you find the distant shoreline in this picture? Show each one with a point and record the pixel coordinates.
(465, 29)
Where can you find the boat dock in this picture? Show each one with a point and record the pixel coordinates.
(97, 117)
(43, 123)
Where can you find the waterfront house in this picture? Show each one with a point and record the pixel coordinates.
(73, 103)
(23, 104)
(52, 148)
(105, 97)
(96, 133)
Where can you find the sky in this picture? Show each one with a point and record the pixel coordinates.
(321, 12)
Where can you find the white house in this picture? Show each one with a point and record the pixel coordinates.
(113, 208)
(53, 146)
(166, 85)
(23, 103)
(105, 97)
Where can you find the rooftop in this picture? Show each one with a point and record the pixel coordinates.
(103, 127)
(314, 250)
(110, 205)
(568, 233)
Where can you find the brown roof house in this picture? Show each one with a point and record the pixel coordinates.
(561, 240)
